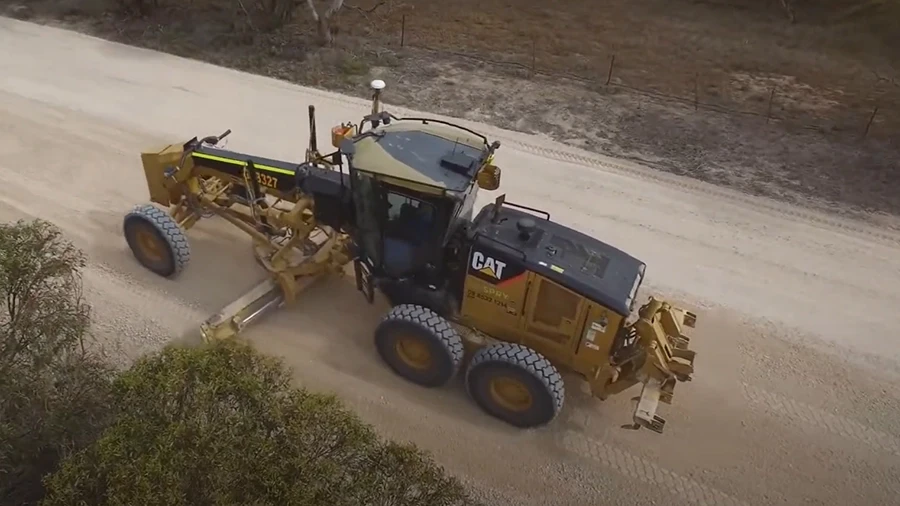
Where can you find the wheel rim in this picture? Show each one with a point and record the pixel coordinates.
(510, 393)
(149, 244)
(413, 352)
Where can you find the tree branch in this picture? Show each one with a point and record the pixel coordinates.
(788, 6)
(246, 13)
(312, 8)
(890, 80)
(335, 6)
(366, 11)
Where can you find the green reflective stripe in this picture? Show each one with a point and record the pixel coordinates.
(242, 164)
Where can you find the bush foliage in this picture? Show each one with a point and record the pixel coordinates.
(54, 394)
(222, 425)
(213, 425)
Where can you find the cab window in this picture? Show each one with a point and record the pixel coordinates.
(408, 228)
(408, 219)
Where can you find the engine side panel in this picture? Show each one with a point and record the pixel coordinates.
(505, 300)
(494, 293)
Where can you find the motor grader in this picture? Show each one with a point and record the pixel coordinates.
(506, 296)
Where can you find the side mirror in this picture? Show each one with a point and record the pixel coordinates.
(342, 132)
(488, 178)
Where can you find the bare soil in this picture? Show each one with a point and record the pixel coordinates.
(725, 92)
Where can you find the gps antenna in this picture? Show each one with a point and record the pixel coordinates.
(377, 85)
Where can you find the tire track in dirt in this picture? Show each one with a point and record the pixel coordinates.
(633, 466)
(809, 418)
(742, 429)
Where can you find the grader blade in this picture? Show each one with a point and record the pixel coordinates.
(234, 317)
(260, 300)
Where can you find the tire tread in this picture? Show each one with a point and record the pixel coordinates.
(530, 361)
(437, 326)
(171, 232)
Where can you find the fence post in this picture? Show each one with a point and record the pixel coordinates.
(697, 91)
(612, 63)
(533, 57)
(403, 31)
(769, 110)
(869, 124)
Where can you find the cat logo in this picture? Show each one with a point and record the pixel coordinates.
(487, 265)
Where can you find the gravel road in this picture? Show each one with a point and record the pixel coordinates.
(795, 400)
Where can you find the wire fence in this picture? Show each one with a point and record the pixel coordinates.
(865, 117)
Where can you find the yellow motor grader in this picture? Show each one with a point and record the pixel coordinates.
(505, 294)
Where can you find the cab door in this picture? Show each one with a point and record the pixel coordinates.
(554, 316)
(366, 200)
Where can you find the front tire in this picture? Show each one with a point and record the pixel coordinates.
(419, 345)
(515, 384)
(156, 240)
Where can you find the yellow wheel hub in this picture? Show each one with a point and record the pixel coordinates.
(149, 244)
(413, 352)
(510, 393)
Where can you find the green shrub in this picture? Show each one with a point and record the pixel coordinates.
(54, 394)
(222, 425)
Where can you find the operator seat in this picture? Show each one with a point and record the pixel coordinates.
(403, 240)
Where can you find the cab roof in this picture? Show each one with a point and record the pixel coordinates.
(583, 264)
(421, 151)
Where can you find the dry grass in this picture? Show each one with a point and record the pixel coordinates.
(829, 70)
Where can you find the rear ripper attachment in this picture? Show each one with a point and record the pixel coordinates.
(660, 328)
(504, 296)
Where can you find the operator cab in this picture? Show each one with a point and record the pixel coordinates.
(408, 180)
(414, 183)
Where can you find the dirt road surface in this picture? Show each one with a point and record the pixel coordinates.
(796, 398)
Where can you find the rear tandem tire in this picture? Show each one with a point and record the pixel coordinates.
(156, 240)
(419, 345)
(515, 384)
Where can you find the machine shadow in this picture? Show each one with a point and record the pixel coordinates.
(331, 325)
